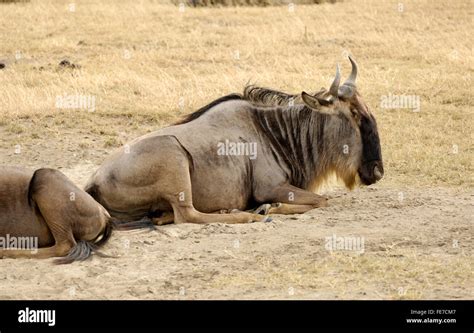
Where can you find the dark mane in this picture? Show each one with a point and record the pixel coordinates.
(268, 97)
(258, 96)
(204, 109)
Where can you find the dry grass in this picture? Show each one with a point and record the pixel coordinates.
(261, 3)
(397, 275)
(148, 63)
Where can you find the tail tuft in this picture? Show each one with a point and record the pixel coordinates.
(84, 249)
(80, 252)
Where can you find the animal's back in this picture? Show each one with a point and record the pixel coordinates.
(222, 121)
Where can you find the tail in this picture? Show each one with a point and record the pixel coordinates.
(84, 249)
(80, 252)
(144, 223)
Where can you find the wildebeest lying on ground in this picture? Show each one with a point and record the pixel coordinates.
(51, 215)
(236, 154)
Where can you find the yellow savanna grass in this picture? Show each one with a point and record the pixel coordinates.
(153, 60)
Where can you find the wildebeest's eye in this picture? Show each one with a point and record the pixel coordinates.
(356, 115)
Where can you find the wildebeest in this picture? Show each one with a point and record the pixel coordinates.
(55, 218)
(202, 164)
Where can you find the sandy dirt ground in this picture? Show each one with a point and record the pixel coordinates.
(412, 244)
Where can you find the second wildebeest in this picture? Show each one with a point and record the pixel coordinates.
(43, 215)
(195, 168)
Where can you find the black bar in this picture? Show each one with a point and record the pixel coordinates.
(387, 315)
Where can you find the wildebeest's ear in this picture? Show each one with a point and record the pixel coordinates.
(314, 102)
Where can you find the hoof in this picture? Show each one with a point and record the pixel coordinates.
(263, 209)
(268, 219)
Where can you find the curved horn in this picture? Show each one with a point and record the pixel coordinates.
(335, 84)
(352, 78)
(347, 89)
